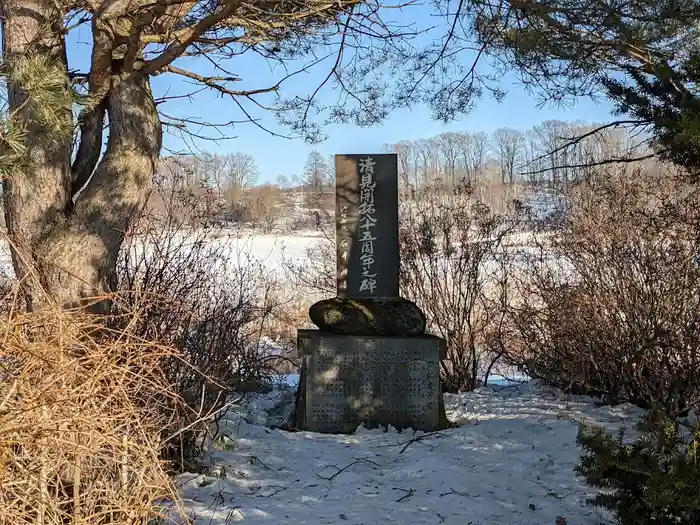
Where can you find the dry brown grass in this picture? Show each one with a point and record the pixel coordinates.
(84, 414)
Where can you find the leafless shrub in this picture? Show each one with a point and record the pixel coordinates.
(264, 206)
(299, 223)
(499, 197)
(610, 306)
(178, 195)
(201, 295)
(453, 265)
(84, 415)
(315, 274)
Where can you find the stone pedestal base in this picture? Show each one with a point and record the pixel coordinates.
(348, 380)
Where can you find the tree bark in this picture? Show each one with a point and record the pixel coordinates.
(82, 255)
(35, 196)
(65, 245)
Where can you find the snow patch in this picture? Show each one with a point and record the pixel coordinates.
(511, 461)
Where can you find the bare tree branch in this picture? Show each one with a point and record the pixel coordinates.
(183, 39)
(619, 160)
(573, 141)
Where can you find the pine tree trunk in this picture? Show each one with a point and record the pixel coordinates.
(82, 255)
(64, 246)
(34, 195)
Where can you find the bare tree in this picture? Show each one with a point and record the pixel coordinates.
(533, 157)
(424, 165)
(449, 151)
(509, 147)
(240, 170)
(214, 177)
(330, 175)
(282, 181)
(480, 151)
(403, 152)
(552, 136)
(264, 206)
(316, 172)
(473, 148)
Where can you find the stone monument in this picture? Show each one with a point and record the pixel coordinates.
(371, 360)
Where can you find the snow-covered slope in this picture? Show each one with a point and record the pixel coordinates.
(509, 463)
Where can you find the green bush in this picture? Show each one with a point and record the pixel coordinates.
(654, 480)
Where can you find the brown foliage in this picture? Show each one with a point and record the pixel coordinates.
(264, 206)
(454, 264)
(84, 415)
(611, 304)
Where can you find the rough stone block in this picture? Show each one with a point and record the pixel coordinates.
(348, 380)
(383, 316)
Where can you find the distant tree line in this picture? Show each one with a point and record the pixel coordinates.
(550, 156)
(554, 153)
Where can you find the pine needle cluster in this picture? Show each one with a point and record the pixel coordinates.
(654, 480)
(46, 109)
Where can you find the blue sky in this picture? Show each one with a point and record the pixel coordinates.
(276, 155)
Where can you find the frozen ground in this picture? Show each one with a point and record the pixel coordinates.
(244, 247)
(510, 462)
(270, 250)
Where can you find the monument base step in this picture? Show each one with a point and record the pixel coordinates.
(348, 380)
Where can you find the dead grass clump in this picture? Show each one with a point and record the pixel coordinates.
(82, 418)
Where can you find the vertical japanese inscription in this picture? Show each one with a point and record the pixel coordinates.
(367, 225)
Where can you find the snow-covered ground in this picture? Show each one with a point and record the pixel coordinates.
(272, 252)
(241, 248)
(509, 462)
(270, 249)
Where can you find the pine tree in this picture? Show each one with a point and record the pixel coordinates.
(652, 481)
(642, 55)
(669, 101)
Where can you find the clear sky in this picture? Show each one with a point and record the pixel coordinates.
(275, 155)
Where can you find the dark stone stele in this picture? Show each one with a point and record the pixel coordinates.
(370, 361)
(371, 316)
(385, 249)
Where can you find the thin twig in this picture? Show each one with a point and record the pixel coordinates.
(409, 493)
(418, 439)
(341, 470)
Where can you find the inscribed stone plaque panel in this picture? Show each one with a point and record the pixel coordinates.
(367, 225)
(393, 350)
(349, 381)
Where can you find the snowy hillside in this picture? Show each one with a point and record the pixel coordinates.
(510, 462)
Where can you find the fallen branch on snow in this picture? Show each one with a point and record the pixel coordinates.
(341, 470)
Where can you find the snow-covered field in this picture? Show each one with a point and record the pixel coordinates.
(269, 251)
(509, 462)
(242, 247)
